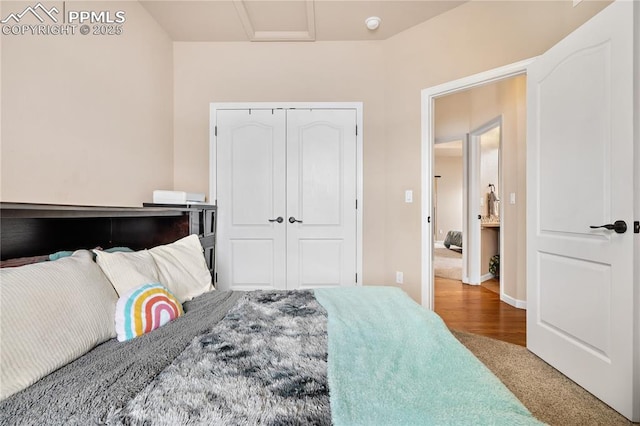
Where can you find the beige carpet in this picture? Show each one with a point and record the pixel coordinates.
(548, 394)
(447, 263)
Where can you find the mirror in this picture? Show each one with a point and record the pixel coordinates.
(490, 176)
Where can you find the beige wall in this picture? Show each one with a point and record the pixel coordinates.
(477, 36)
(284, 72)
(489, 246)
(87, 119)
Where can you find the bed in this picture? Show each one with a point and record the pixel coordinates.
(344, 356)
(453, 238)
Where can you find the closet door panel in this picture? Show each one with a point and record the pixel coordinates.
(251, 192)
(320, 262)
(321, 194)
(320, 174)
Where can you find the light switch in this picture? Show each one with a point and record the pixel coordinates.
(512, 198)
(408, 196)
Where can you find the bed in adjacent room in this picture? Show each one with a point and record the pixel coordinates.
(137, 336)
(453, 238)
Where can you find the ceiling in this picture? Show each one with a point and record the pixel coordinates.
(489, 140)
(290, 20)
(448, 149)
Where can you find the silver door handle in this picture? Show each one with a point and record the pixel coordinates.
(294, 220)
(279, 219)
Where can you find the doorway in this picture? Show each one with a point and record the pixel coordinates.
(449, 213)
(489, 120)
(484, 212)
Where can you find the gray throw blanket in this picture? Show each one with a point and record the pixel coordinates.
(104, 380)
(265, 363)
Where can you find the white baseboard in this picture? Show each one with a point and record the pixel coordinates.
(520, 304)
(467, 281)
(486, 277)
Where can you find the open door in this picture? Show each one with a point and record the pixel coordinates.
(483, 169)
(580, 316)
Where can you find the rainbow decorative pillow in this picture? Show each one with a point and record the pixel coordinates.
(143, 309)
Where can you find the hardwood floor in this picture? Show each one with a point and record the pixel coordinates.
(475, 309)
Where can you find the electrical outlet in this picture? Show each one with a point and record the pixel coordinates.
(399, 277)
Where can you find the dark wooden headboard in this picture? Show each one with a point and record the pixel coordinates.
(39, 229)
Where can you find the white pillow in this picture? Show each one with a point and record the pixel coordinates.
(182, 268)
(128, 270)
(50, 314)
(179, 266)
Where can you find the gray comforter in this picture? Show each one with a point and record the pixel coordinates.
(265, 363)
(201, 354)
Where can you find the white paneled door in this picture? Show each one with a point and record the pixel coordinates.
(580, 315)
(286, 196)
(251, 186)
(321, 197)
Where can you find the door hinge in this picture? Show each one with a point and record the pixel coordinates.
(356, 204)
(216, 131)
(636, 227)
(428, 219)
(356, 277)
(216, 277)
(356, 130)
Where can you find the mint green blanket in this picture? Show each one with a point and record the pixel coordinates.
(391, 362)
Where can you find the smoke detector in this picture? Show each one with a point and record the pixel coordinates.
(372, 22)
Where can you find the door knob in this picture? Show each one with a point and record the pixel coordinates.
(620, 226)
(279, 219)
(294, 220)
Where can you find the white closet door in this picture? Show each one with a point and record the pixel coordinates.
(321, 195)
(251, 192)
